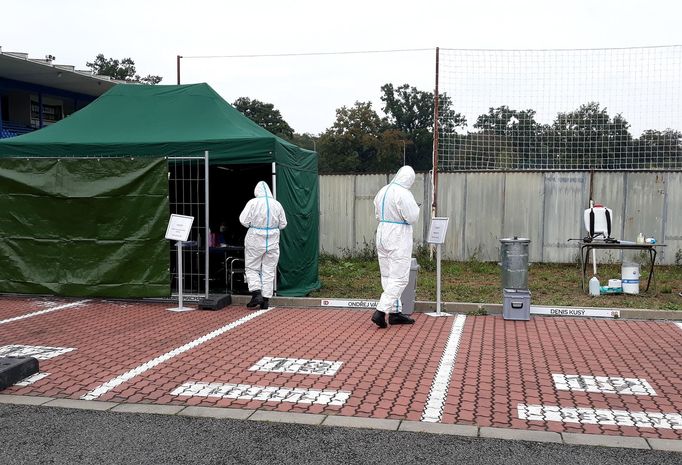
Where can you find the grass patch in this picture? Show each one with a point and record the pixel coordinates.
(480, 282)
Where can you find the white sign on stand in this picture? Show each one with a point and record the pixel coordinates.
(178, 230)
(437, 231)
(179, 227)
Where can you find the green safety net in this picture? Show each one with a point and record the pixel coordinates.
(84, 227)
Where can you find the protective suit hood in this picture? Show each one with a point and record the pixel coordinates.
(263, 190)
(405, 177)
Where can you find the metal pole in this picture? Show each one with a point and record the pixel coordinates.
(178, 67)
(274, 195)
(434, 205)
(206, 222)
(403, 153)
(180, 273)
(438, 279)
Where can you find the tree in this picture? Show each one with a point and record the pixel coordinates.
(589, 138)
(516, 131)
(120, 70)
(305, 140)
(352, 144)
(265, 115)
(657, 149)
(411, 111)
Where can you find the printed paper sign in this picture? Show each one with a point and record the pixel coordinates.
(179, 227)
(437, 230)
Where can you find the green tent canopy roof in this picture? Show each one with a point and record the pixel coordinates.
(144, 120)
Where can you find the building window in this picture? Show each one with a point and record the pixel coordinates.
(51, 113)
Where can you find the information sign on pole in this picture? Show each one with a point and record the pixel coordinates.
(179, 227)
(437, 231)
(178, 230)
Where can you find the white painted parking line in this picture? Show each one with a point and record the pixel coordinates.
(38, 352)
(297, 365)
(593, 416)
(603, 384)
(32, 379)
(264, 393)
(111, 384)
(433, 410)
(43, 312)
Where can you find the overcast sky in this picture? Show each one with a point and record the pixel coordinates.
(308, 89)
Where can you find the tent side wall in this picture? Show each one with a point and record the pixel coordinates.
(298, 191)
(84, 227)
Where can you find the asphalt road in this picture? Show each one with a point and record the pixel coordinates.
(38, 435)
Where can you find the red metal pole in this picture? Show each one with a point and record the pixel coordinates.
(434, 205)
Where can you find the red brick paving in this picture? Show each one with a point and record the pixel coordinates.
(499, 365)
(11, 307)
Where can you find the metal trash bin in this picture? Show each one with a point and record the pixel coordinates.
(410, 293)
(514, 262)
(516, 304)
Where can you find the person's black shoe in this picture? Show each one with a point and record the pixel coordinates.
(379, 319)
(399, 319)
(265, 303)
(256, 299)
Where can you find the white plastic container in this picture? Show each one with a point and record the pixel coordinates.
(602, 220)
(615, 283)
(594, 286)
(630, 278)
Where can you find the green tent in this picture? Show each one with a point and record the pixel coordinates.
(85, 200)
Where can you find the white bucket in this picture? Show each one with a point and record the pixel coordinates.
(630, 278)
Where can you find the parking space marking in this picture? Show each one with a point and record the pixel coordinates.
(111, 384)
(433, 410)
(264, 393)
(603, 384)
(32, 379)
(39, 352)
(43, 312)
(600, 416)
(297, 365)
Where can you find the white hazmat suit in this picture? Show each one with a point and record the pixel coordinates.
(264, 216)
(397, 211)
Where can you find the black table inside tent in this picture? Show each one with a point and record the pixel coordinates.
(220, 259)
(228, 256)
(586, 247)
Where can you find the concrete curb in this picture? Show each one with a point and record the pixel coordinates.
(81, 404)
(464, 307)
(510, 434)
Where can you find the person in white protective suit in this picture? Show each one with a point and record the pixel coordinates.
(397, 211)
(264, 216)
